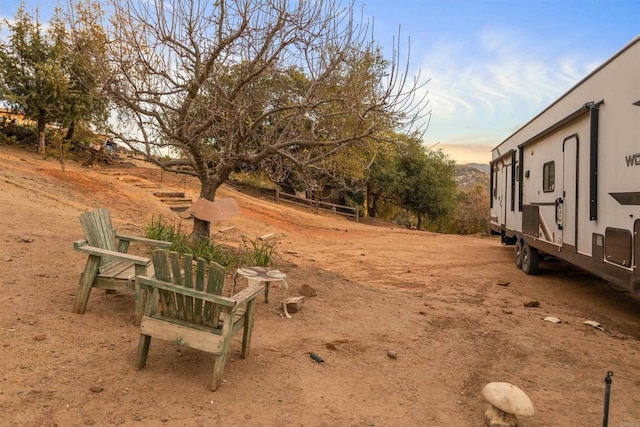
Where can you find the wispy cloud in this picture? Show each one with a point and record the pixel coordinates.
(493, 84)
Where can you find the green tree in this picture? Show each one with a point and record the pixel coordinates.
(84, 100)
(204, 79)
(382, 179)
(47, 75)
(32, 80)
(426, 186)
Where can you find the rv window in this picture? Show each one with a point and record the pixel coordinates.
(495, 183)
(549, 177)
(517, 173)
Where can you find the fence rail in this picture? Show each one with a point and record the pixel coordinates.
(348, 211)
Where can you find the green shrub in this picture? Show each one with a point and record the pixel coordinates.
(170, 231)
(258, 253)
(209, 250)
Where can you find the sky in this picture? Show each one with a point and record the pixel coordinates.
(492, 65)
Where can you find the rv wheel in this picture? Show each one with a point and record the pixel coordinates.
(530, 258)
(518, 254)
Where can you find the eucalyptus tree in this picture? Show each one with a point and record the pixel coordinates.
(197, 77)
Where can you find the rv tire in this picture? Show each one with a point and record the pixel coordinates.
(518, 254)
(530, 259)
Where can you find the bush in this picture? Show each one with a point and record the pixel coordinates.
(258, 253)
(252, 253)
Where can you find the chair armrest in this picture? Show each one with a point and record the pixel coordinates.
(79, 243)
(81, 246)
(159, 243)
(246, 294)
(146, 282)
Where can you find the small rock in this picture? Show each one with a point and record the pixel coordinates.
(508, 398)
(503, 283)
(532, 304)
(294, 304)
(8, 259)
(392, 354)
(552, 319)
(40, 337)
(507, 311)
(26, 239)
(308, 291)
(316, 358)
(96, 389)
(594, 324)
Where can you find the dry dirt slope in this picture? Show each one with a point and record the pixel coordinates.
(433, 299)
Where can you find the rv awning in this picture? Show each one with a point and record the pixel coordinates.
(502, 157)
(557, 125)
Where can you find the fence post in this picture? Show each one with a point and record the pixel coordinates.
(357, 214)
(277, 196)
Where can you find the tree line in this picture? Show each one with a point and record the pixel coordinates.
(297, 90)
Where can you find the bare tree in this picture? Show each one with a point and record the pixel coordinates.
(228, 83)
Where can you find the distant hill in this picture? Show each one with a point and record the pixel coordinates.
(484, 167)
(467, 176)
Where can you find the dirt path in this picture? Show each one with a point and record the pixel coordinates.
(434, 299)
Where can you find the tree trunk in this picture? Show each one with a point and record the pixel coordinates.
(41, 126)
(375, 203)
(202, 229)
(419, 221)
(70, 131)
(365, 203)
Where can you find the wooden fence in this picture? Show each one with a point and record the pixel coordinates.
(347, 211)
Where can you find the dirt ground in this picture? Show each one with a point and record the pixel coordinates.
(438, 301)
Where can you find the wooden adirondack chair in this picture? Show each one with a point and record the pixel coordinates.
(192, 316)
(108, 264)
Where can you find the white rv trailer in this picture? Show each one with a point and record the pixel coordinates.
(567, 183)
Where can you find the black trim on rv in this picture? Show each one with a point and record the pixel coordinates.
(628, 198)
(593, 161)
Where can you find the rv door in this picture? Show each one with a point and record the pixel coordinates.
(566, 205)
(500, 193)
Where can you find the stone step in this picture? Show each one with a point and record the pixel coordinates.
(179, 208)
(167, 194)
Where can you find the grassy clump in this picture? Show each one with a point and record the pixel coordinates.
(258, 253)
(252, 252)
(171, 231)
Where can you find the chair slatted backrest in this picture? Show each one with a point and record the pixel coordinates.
(168, 268)
(98, 230)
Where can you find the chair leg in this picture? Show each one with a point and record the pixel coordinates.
(86, 283)
(141, 302)
(141, 294)
(218, 368)
(143, 351)
(248, 329)
(221, 359)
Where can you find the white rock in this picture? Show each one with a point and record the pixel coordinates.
(552, 319)
(508, 398)
(594, 324)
